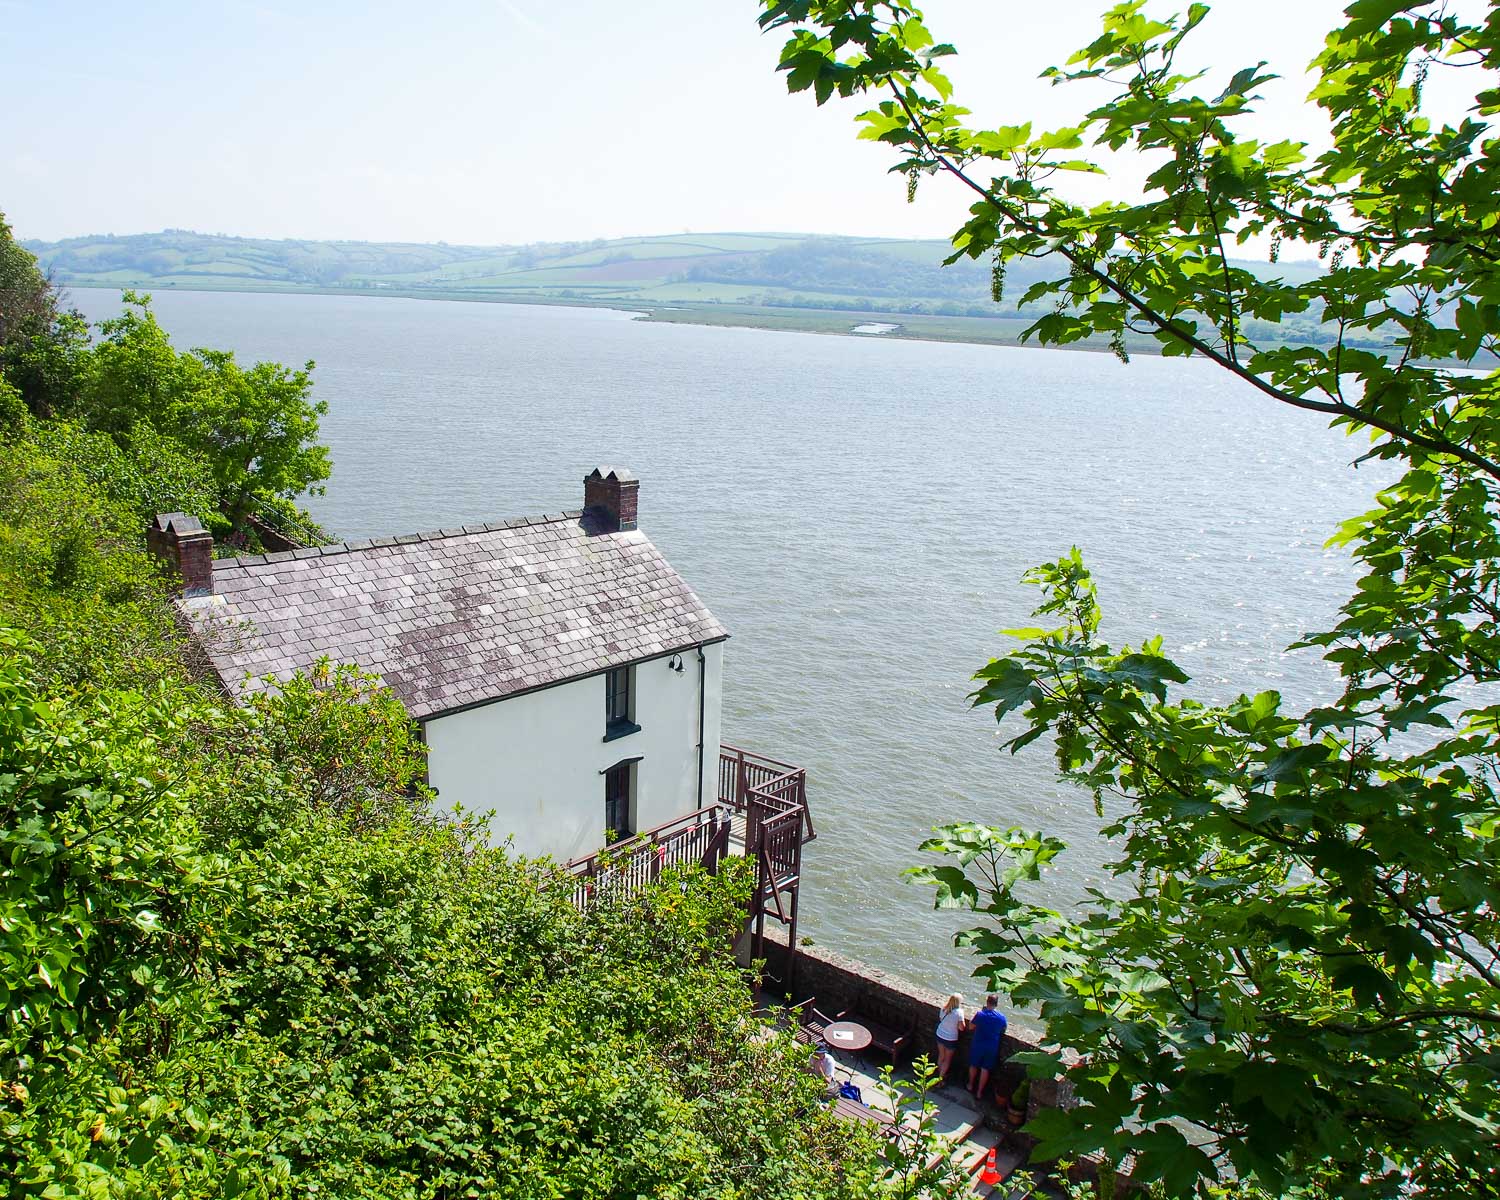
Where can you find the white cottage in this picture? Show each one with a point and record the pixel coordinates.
(566, 679)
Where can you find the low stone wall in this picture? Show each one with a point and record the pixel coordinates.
(837, 983)
(271, 538)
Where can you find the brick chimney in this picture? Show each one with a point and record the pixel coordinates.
(187, 548)
(609, 496)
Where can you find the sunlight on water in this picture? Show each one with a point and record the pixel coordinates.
(858, 512)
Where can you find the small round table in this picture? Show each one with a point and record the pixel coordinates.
(846, 1035)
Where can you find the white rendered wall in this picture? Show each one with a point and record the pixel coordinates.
(535, 762)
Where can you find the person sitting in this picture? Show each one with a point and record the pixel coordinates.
(822, 1065)
(984, 1051)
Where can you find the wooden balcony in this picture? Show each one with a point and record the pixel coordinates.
(761, 813)
(756, 788)
(698, 839)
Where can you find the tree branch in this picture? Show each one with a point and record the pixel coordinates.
(1331, 408)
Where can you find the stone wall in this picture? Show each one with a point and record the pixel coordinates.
(273, 539)
(836, 983)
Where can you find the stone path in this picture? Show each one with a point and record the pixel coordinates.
(956, 1119)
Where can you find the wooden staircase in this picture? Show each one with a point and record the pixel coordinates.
(770, 798)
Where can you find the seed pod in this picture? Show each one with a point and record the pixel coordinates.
(1418, 80)
(1417, 339)
(1078, 279)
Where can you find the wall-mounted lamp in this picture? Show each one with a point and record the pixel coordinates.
(675, 663)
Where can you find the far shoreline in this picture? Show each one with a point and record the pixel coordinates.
(836, 322)
(910, 327)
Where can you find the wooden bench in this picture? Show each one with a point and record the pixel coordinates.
(813, 1023)
(853, 1110)
(889, 1031)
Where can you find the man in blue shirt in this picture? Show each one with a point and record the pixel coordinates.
(984, 1051)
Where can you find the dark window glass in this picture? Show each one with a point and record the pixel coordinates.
(617, 816)
(617, 697)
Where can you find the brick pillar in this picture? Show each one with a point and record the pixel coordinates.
(610, 496)
(187, 549)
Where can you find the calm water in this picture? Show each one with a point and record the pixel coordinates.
(858, 512)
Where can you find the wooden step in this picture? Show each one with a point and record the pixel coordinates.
(1011, 1185)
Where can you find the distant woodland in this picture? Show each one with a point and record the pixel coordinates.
(771, 271)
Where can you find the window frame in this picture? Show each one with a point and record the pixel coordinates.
(619, 702)
(619, 789)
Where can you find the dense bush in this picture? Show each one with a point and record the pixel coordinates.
(73, 574)
(253, 430)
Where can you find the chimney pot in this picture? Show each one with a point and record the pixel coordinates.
(187, 548)
(609, 497)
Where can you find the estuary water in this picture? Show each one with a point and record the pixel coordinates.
(858, 512)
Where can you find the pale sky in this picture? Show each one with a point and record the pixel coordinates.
(508, 121)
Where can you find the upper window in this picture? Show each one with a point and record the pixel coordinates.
(619, 702)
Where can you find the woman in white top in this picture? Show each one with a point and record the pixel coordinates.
(950, 1024)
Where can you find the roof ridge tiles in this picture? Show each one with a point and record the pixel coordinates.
(404, 539)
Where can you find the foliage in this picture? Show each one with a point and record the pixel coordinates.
(918, 1158)
(24, 295)
(105, 918)
(335, 740)
(73, 575)
(40, 344)
(154, 474)
(1292, 945)
(103, 894)
(255, 428)
(1306, 964)
(12, 411)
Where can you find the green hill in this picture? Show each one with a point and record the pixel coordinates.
(848, 273)
(781, 280)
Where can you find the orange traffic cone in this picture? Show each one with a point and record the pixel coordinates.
(990, 1175)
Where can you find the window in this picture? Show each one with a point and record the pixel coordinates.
(619, 707)
(619, 819)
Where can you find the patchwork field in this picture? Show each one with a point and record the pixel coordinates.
(769, 280)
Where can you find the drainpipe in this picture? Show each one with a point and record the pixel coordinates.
(702, 700)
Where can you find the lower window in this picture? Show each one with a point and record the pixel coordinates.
(619, 809)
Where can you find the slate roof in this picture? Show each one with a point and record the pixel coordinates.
(454, 617)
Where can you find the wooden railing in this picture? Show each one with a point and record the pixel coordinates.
(757, 787)
(699, 839)
(772, 798)
(779, 856)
